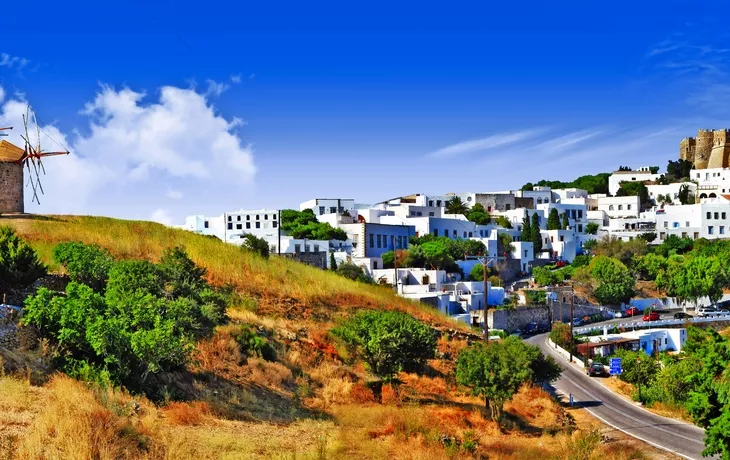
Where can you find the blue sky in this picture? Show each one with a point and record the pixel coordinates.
(180, 107)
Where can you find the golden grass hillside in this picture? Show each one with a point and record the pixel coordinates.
(311, 402)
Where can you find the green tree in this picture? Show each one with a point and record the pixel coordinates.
(592, 228)
(304, 224)
(478, 215)
(653, 169)
(590, 245)
(389, 341)
(333, 262)
(85, 263)
(562, 337)
(497, 370)
(535, 235)
(477, 273)
(437, 255)
(353, 272)
(256, 245)
(678, 170)
(651, 265)
(685, 195)
(637, 368)
(504, 244)
(455, 206)
(615, 282)
(546, 277)
(526, 233)
(19, 263)
(647, 236)
(502, 221)
(698, 277)
(564, 222)
(553, 222)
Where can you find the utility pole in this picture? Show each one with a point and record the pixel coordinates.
(278, 246)
(395, 267)
(572, 299)
(486, 317)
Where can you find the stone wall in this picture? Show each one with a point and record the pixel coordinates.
(526, 202)
(516, 320)
(687, 149)
(317, 259)
(11, 187)
(496, 201)
(703, 148)
(720, 150)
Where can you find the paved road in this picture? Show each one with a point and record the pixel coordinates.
(675, 436)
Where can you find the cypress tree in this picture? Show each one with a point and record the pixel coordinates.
(333, 263)
(565, 223)
(553, 222)
(536, 237)
(526, 234)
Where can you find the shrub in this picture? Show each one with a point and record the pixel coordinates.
(253, 344)
(85, 263)
(256, 245)
(19, 264)
(389, 341)
(546, 277)
(353, 272)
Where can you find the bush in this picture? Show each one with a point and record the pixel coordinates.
(546, 277)
(86, 263)
(253, 344)
(256, 245)
(353, 272)
(19, 264)
(389, 341)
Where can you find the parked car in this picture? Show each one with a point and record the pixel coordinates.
(682, 315)
(651, 316)
(577, 321)
(535, 328)
(561, 263)
(632, 311)
(596, 369)
(706, 311)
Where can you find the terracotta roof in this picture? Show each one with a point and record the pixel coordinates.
(10, 152)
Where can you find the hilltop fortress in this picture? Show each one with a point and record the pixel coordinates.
(710, 149)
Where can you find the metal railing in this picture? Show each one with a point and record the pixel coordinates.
(651, 324)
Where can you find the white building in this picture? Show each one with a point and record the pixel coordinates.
(619, 206)
(670, 189)
(371, 240)
(321, 206)
(647, 340)
(640, 175)
(231, 227)
(708, 219)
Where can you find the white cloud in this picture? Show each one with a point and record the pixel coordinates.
(13, 62)
(134, 147)
(236, 78)
(485, 143)
(174, 194)
(162, 216)
(215, 88)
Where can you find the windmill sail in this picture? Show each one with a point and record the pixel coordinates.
(33, 153)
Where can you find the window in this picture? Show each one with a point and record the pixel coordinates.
(684, 234)
(686, 224)
(316, 248)
(229, 218)
(435, 232)
(464, 234)
(489, 209)
(454, 233)
(297, 247)
(665, 340)
(239, 226)
(717, 215)
(610, 207)
(552, 240)
(697, 235)
(273, 216)
(372, 240)
(722, 229)
(580, 214)
(580, 228)
(620, 207)
(666, 224)
(419, 213)
(248, 218)
(380, 239)
(709, 230)
(470, 234)
(321, 209)
(675, 224)
(266, 217)
(468, 198)
(709, 215)
(333, 209)
(662, 235)
(238, 218)
(257, 217)
(273, 224)
(562, 238)
(205, 224)
(375, 264)
(628, 207)
(525, 252)
(430, 203)
(438, 203)
(306, 247)
(507, 207)
(248, 225)
(258, 224)
(431, 214)
(723, 215)
(230, 226)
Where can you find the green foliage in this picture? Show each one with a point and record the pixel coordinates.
(85, 263)
(389, 341)
(625, 251)
(438, 255)
(253, 344)
(535, 235)
(581, 260)
(353, 272)
(304, 224)
(439, 252)
(387, 257)
(653, 169)
(19, 264)
(546, 277)
(674, 245)
(145, 323)
(650, 265)
(477, 273)
(590, 245)
(502, 221)
(535, 297)
(637, 368)
(455, 206)
(333, 262)
(526, 233)
(593, 184)
(560, 335)
(697, 277)
(678, 170)
(478, 215)
(256, 245)
(564, 222)
(635, 189)
(685, 195)
(592, 228)
(505, 243)
(497, 370)
(553, 222)
(647, 236)
(615, 282)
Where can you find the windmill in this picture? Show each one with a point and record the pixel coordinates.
(31, 159)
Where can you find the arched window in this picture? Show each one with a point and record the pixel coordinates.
(610, 207)
(539, 200)
(703, 195)
(712, 195)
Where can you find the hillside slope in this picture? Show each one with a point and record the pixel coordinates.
(311, 401)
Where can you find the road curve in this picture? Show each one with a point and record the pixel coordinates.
(674, 436)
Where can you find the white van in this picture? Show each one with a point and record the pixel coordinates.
(711, 312)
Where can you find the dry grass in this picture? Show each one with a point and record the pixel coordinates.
(182, 413)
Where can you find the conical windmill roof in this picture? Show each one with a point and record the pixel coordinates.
(10, 153)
